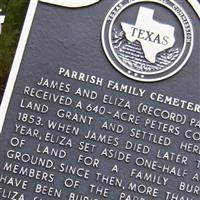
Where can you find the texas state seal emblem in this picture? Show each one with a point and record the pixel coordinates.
(147, 40)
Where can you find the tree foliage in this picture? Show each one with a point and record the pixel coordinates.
(15, 11)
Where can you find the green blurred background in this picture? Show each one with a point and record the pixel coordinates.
(15, 11)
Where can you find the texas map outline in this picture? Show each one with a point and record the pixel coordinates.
(154, 36)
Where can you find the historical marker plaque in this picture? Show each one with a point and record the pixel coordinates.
(103, 103)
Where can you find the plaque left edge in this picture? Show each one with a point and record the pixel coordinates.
(17, 61)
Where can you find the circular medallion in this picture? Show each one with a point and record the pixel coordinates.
(147, 40)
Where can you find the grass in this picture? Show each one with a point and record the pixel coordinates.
(15, 11)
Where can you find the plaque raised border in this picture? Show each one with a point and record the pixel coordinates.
(24, 38)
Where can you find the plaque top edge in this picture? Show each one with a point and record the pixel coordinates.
(82, 3)
(195, 5)
(71, 3)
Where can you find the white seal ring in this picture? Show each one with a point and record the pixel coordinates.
(121, 52)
